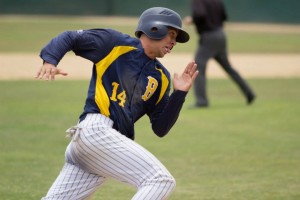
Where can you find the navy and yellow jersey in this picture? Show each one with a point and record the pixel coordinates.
(125, 84)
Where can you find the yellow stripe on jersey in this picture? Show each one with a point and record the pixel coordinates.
(165, 83)
(101, 97)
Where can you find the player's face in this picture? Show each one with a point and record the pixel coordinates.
(168, 42)
(159, 48)
(165, 45)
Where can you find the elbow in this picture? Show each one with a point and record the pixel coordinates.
(161, 128)
(160, 132)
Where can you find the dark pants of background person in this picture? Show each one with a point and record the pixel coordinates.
(213, 45)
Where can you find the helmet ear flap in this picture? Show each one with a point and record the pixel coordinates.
(157, 31)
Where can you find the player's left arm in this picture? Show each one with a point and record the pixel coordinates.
(167, 111)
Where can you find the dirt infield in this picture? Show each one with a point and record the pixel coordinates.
(24, 66)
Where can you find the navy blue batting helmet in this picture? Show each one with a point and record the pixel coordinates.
(154, 22)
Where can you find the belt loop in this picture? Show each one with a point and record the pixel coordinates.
(73, 132)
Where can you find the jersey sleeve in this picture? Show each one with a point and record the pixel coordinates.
(163, 121)
(90, 44)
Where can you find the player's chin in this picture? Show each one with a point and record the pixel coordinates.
(162, 54)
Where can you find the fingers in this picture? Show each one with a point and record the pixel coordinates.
(188, 20)
(191, 68)
(61, 72)
(191, 71)
(49, 71)
(52, 74)
(195, 75)
(45, 72)
(38, 73)
(41, 73)
(185, 80)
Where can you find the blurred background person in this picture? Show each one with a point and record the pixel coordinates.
(208, 16)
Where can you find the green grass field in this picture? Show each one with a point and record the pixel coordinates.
(30, 34)
(230, 151)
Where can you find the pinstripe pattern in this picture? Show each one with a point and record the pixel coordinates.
(74, 183)
(101, 152)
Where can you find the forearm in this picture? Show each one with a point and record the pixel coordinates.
(162, 125)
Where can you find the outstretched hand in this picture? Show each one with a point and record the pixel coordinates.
(187, 78)
(49, 71)
(188, 20)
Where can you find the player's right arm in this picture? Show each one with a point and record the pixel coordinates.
(89, 44)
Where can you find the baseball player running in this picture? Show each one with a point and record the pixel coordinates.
(127, 82)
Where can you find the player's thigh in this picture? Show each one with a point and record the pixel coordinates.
(110, 154)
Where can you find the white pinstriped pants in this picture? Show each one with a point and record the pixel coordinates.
(98, 152)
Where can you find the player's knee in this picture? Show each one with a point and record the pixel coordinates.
(167, 181)
(172, 183)
(167, 184)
